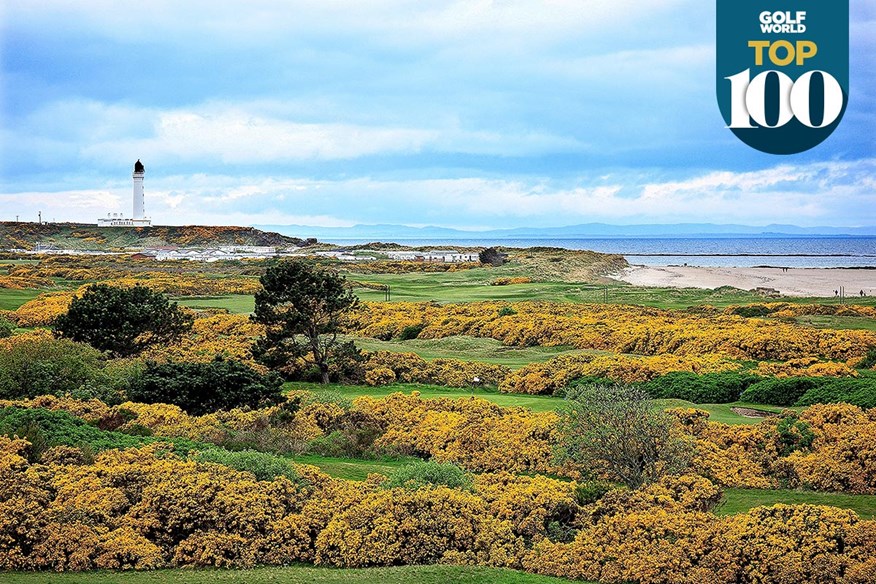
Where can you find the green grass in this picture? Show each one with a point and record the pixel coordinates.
(353, 469)
(467, 349)
(235, 303)
(19, 262)
(724, 412)
(741, 500)
(838, 322)
(293, 575)
(537, 403)
(12, 299)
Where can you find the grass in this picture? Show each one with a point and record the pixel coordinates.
(467, 349)
(293, 575)
(12, 299)
(724, 412)
(235, 303)
(741, 500)
(473, 285)
(353, 469)
(537, 403)
(838, 322)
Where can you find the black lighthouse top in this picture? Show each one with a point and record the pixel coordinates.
(138, 166)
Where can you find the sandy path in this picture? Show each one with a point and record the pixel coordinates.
(793, 282)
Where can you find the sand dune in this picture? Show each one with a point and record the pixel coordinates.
(793, 282)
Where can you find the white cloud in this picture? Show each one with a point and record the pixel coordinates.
(823, 193)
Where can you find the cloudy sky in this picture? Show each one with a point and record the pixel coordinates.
(471, 114)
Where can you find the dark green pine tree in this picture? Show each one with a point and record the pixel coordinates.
(122, 321)
(302, 306)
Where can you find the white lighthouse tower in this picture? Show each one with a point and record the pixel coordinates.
(139, 204)
(139, 219)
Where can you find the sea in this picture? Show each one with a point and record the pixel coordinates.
(743, 252)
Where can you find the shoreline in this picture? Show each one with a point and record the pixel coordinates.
(816, 282)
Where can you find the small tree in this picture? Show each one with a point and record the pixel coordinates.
(6, 328)
(492, 256)
(122, 321)
(617, 430)
(301, 306)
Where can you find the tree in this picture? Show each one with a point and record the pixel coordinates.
(616, 430)
(203, 388)
(6, 328)
(301, 306)
(122, 321)
(492, 256)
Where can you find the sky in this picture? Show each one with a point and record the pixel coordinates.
(470, 114)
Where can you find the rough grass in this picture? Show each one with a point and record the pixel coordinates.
(293, 575)
(741, 500)
(838, 322)
(466, 349)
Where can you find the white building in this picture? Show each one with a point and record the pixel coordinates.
(139, 219)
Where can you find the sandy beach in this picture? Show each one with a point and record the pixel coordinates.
(791, 282)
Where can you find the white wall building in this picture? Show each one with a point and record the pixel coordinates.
(139, 219)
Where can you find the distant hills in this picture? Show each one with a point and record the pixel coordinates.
(79, 236)
(584, 231)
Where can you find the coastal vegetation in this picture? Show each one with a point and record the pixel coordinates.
(512, 423)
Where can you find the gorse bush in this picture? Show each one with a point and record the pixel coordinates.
(430, 474)
(201, 388)
(779, 391)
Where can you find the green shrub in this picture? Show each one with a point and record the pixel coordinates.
(708, 388)
(411, 332)
(869, 361)
(591, 491)
(793, 434)
(859, 391)
(57, 428)
(507, 311)
(261, 464)
(784, 391)
(41, 366)
(202, 388)
(424, 474)
(6, 328)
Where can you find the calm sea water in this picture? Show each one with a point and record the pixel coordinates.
(791, 252)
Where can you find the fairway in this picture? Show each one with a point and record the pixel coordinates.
(741, 500)
(234, 303)
(293, 575)
(537, 403)
(838, 322)
(12, 299)
(465, 348)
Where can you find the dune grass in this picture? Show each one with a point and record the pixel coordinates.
(301, 574)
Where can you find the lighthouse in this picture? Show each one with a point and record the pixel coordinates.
(139, 204)
(139, 218)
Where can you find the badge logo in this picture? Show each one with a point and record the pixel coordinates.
(782, 71)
